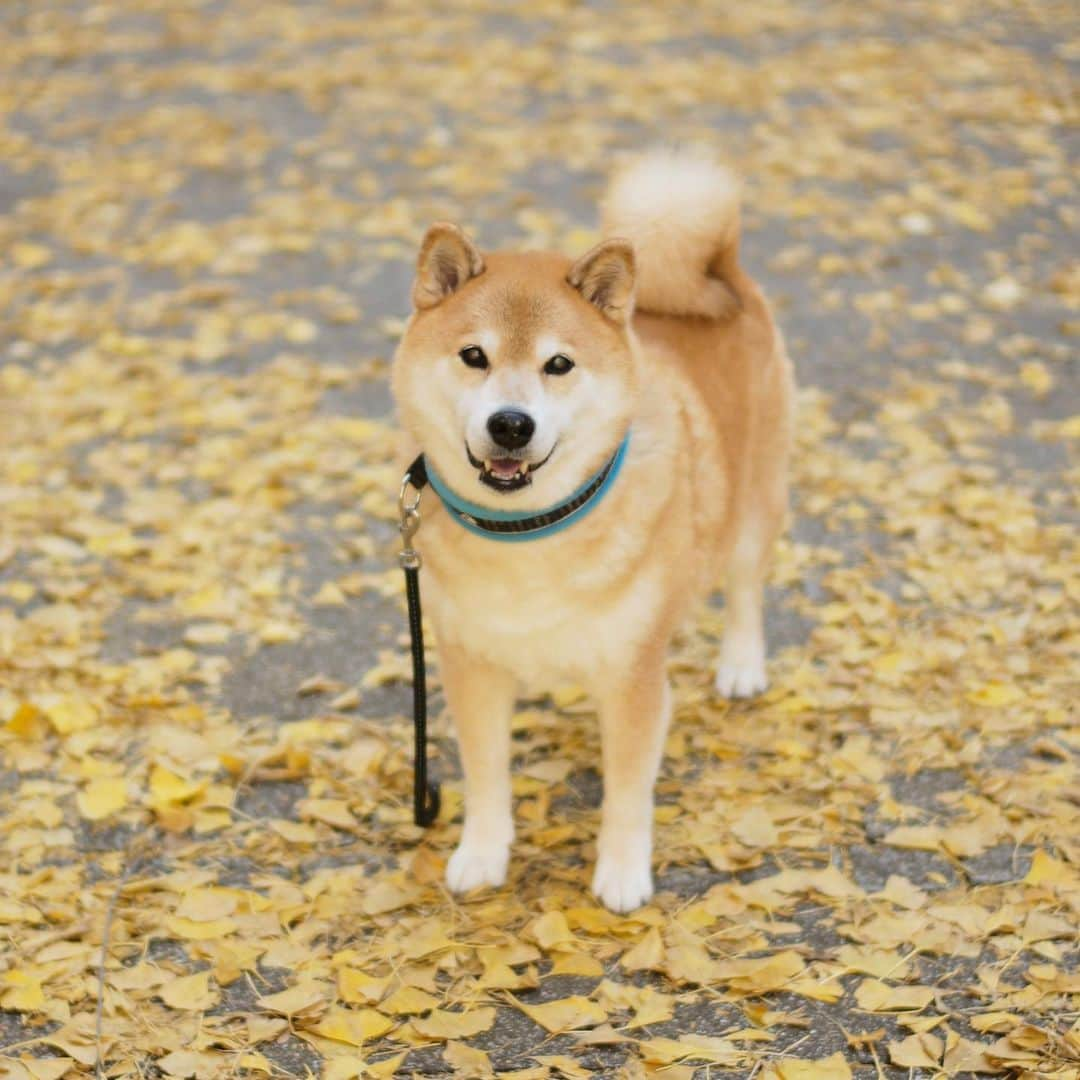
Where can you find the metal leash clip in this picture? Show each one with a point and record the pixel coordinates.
(408, 524)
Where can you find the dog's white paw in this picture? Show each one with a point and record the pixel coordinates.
(741, 671)
(623, 877)
(741, 679)
(473, 865)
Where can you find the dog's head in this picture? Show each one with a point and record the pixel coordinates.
(517, 373)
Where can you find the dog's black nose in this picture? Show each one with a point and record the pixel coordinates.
(511, 429)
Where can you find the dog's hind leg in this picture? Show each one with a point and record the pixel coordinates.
(741, 671)
(481, 701)
(762, 504)
(634, 715)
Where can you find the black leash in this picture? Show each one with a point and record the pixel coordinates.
(426, 799)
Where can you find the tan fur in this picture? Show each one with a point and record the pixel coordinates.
(703, 490)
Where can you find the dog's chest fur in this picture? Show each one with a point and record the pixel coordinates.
(545, 614)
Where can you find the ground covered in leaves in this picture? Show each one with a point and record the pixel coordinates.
(208, 212)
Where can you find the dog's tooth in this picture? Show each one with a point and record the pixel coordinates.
(487, 464)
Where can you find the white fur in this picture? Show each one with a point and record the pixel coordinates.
(483, 855)
(680, 209)
(514, 388)
(547, 346)
(488, 340)
(483, 705)
(623, 877)
(581, 418)
(560, 641)
(622, 880)
(741, 671)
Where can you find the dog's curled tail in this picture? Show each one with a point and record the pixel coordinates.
(680, 209)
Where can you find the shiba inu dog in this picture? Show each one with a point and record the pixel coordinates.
(623, 420)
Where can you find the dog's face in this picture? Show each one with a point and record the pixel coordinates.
(517, 373)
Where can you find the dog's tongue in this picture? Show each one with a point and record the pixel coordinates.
(504, 468)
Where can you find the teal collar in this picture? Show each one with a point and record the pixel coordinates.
(516, 526)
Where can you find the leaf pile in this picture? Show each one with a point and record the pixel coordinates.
(207, 221)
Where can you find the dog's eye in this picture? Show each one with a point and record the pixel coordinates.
(473, 356)
(558, 365)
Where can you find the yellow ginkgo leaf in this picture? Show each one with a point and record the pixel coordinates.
(996, 694)
(190, 992)
(550, 930)
(168, 789)
(102, 797)
(305, 998)
(196, 930)
(565, 1014)
(830, 1068)
(352, 1026)
(69, 713)
(877, 996)
(442, 1024)
(408, 1001)
(23, 992)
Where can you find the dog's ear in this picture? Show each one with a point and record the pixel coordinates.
(605, 277)
(447, 260)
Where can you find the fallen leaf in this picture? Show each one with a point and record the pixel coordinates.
(102, 798)
(920, 1051)
(442, 1024)
(353, 1027)
(566, 1014)
(877, 996)
(190, 993)
(830, 1068)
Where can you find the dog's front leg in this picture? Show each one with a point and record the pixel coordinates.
(481, 700)
(634, 713)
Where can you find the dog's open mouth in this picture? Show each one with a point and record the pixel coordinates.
(506, 473)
